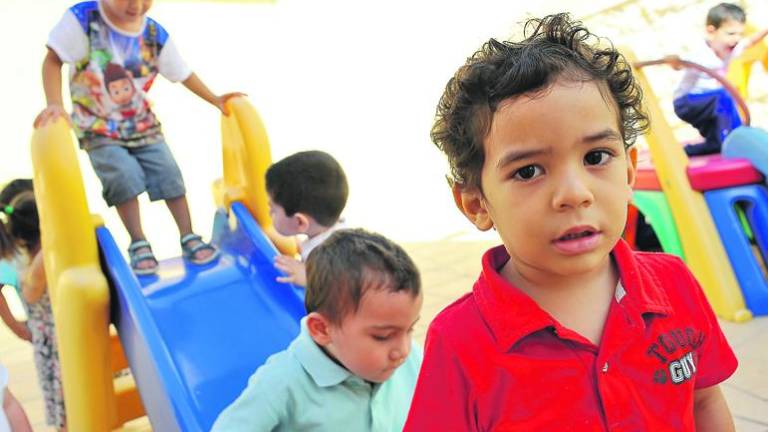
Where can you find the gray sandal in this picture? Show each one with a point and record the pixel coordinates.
(137, 258)
(190, 251)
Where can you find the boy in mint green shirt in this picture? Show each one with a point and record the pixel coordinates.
(353, 366)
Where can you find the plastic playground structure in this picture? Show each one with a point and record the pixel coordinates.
(192, 335)
(712, 211)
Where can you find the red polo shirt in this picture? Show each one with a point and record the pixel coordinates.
(494, 360)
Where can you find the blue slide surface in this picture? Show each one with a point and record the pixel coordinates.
(194, 334)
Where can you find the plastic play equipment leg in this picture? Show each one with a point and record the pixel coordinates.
(748, 143)
(653, 205)
(722, 204)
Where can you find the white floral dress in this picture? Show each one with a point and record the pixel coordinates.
(40, 323)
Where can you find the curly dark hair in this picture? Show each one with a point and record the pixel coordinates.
(553, 47)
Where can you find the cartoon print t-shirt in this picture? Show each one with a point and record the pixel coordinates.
(111, 72)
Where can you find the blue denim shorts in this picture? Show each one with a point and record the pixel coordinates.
(126, 172)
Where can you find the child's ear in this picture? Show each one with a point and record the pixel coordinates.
(303, 222)
(319, 328)
(711, 29)
(631, 166)
(631, 170)
(471, 202)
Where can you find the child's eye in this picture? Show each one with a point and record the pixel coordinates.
(528, 172)
(597, 157)
(380, 338)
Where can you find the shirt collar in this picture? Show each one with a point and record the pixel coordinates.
(118, 29)
(512, 315)
(307, 245)
(323, 370)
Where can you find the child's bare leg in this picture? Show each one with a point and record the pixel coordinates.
(180, 211)
(131, 217)
(15, 413)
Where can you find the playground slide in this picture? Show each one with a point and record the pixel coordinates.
(194, 334)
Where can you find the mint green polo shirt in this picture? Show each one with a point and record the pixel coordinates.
(302, 389)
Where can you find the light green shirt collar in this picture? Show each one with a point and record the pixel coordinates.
(323, 370)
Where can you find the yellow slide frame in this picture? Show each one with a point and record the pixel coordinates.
(704, 252)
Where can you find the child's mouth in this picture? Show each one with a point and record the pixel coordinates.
(578, 240)
(576, 235)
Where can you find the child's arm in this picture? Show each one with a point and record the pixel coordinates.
(34, 281)
(295, 270)
(754, 39)
(196, 86)
(711, 411)
(17, 327)
(441, 400)
(15, 413)
(52, 87)
(260, 407)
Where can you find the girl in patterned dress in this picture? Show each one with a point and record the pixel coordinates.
(20, 242)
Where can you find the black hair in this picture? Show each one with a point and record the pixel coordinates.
(348, 264)
(310, 182)
(725, 12)
(15, 187)
(553, 47)
(21, 227)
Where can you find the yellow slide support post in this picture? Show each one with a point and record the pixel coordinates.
(246, 157)
(704, 252)
(77, 287)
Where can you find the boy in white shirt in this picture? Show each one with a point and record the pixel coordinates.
(307, 193)
(699, 98)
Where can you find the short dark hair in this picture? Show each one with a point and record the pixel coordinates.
(348, 264)
(553, 47)
(310, 182)
(724, 12)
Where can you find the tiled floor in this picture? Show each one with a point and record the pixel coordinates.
(448, 270)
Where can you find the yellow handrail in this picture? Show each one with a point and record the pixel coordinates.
(77, 287)
(246, 157)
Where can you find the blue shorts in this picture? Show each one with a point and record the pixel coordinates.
(126, 172)
(713, 113)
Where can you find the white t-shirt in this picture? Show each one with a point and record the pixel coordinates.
(307, 245)
(694, 81)
(111, 71)
(70, 42)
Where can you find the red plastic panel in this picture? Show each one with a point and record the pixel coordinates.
(713, 172)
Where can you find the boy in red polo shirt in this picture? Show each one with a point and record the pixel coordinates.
(566, 328)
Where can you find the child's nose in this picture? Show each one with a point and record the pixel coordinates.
(402, 350)
(572, 191)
